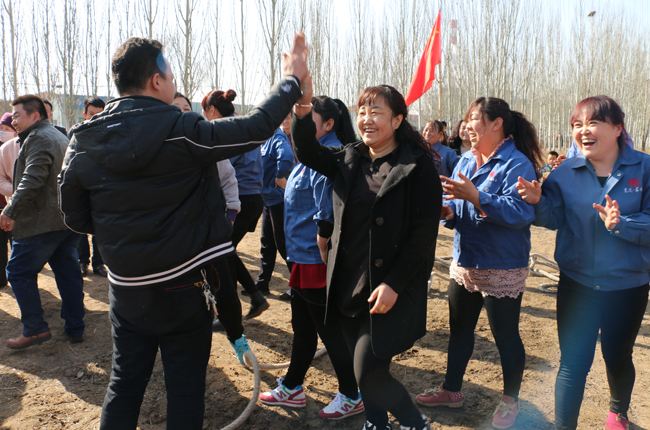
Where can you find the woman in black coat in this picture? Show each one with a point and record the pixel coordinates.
(387, 203)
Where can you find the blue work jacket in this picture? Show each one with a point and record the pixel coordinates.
(585, 249)
(501, 240)
(307, 200)
(277, 162)
(448, 158)
(248, 170)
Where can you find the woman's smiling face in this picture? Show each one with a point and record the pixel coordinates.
(377, 124)
(596, 139)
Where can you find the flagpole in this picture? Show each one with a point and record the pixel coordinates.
(420, 114)
(439, 69)
(439, 95)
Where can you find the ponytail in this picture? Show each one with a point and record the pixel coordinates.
(515, 124)
(345, 132)
(329, 108)
(525, 136)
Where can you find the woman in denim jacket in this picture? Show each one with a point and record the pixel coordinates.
(599, 202)
(491, 248)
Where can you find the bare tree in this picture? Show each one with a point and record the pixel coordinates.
(108, 50)
(5, 104)
(14, 32)
(239, 49)
(52, 76)
(33, 61)
(300, 18)
(213, 46)
(91, 51)
(148, 14)
(273, 17)
(185, 49)
(67, 42)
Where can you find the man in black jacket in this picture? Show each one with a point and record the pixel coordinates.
(39, 233)
(141, 176)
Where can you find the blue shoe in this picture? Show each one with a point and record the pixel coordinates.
(241, 346)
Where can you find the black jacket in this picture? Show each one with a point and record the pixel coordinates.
(403, 232)
(34, 206)
(141, 176)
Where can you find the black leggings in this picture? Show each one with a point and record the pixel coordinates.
(381, 392)
(273, 241)
(307, 321)
(228, 304)
(503, 314)
(246, 221)
(582, 312)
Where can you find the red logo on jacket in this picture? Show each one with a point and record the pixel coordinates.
(634, 182)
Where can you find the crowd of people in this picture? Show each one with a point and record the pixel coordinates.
(167, 194)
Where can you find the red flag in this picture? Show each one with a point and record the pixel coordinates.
(425, 73)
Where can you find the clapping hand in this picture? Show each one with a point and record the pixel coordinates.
(463, 189)
(609, 213)
(530, 192)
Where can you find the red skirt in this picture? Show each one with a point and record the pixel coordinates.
(308, 276)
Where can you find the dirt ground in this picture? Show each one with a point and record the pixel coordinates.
(61, 386)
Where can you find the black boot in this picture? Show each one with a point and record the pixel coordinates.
(258, 305)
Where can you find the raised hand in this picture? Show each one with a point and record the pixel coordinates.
(609, 213)
(530, 192)
(295, 62)
(302, 108)
(463, 189)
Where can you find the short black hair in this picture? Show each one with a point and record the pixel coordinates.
(134, 62)
(49, 103)
(31, 104)
(95, 102)
(177, 95)
(553, 153)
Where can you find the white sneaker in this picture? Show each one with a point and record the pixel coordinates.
(342, 407)
(282, 396)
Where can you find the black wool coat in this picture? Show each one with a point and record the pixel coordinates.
(403, 231)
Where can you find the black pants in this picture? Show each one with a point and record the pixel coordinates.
(307, 321)
(5, 238)
(228, 304)
(381, 392)
(84, 252)
(581, 313)
(175, 320)
(272, 240)
(503, 315)
(246, 221)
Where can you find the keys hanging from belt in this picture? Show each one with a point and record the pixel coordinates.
(210, 301)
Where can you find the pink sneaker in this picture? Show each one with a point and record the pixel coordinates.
(440, 397)
(617, 422)
(506, 413)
